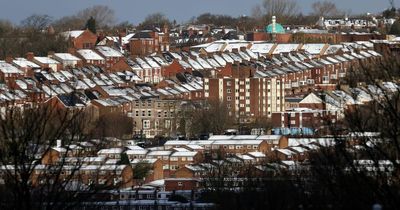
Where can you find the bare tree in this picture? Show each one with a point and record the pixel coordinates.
(213, 118)
(155, 20)
(103, 15)
(364, 164)
(325, 8)
(37, 145)
(5, 26)
(106, 125)
(36, 22)
(69, 23)
(284, 10)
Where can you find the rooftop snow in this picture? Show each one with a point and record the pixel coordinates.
(22, 62)
(66, 56)
(313, 49)
(9, 69)
(285, 48)
(72, 34)
(46, 60)
(108, 51)
(261, 47)
(89, 54)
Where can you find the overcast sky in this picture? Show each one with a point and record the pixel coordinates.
(135, 11)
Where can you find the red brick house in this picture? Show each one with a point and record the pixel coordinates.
(111, 55)
(9, 73)
(146, 42)
(81, 39)
(90, 57)
(172, 184)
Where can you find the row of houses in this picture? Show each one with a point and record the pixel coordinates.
(250, 85)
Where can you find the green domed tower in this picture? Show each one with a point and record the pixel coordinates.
(274, 28)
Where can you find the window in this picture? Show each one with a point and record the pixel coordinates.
(228, 90)
(87, 45)
(167, 124)
(146, 124)
(228, 83)
(149, 113)
(137, 113)
(143, 113)
(228, 98)
(180, 184)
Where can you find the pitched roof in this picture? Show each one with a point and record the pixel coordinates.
(142, 35)
(8, 68)
(72, 34)
(108, 51)
(89, 54)
(311, 99)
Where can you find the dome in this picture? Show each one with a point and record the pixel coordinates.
(278, 29)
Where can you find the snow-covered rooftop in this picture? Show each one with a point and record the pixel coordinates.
(89, 54)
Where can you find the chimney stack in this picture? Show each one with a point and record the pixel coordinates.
(9, 59)
(59, 143)
(30, 56)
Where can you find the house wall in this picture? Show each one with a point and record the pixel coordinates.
(86, 40)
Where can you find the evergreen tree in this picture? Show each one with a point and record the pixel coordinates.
(91, 24)
(395, 29)
(124, 159)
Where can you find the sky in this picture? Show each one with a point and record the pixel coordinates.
(135, 11)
